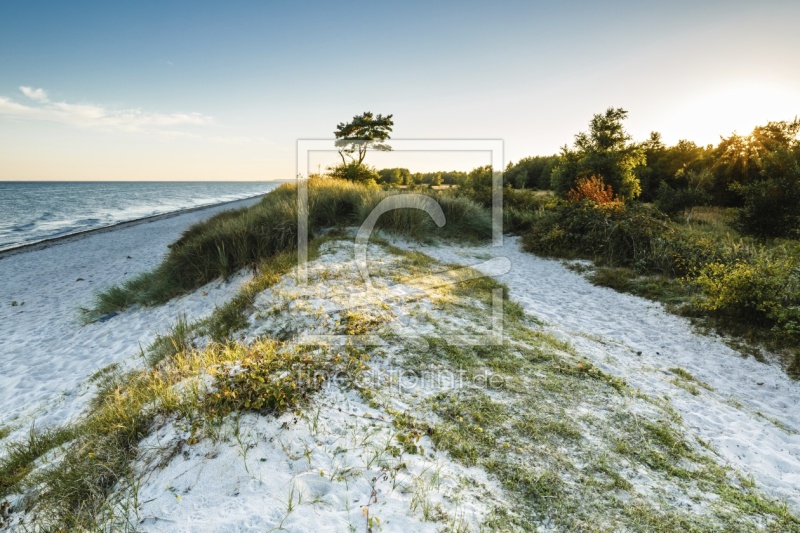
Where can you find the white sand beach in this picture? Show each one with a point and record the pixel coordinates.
(46, 355)
(746, 411)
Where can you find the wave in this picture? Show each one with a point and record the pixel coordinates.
(41, 214)
(23, 227)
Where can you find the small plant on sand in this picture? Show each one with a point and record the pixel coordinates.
(20, 456)
(178, 339)
(271, 380)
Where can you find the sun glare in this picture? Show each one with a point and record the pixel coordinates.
(734, 107)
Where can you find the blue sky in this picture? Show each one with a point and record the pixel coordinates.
(206, 90)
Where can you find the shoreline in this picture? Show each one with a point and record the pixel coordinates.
(62, 239)
(47, 354)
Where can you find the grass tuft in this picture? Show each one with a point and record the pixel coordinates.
(21, 455)
(178, 339)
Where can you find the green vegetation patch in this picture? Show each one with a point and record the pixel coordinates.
(699, 268)
(244, 238)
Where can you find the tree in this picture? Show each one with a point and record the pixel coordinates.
(740, 160)
(770, 186)
(530, 172)
(352, 171)
(394, 176)
(363, 132)
(650, 175)
(605, 151)
(676, 168)
(480, 178)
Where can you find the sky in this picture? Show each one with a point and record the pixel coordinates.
(224, 91)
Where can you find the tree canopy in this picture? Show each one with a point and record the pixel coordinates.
(365, 131)
(605, 151)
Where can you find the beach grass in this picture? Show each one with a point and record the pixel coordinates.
(96, 453)
(244, 238)
(20, 455)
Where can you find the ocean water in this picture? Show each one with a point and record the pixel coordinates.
(35, 211)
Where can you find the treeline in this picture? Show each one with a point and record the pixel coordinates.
(403, 177)
(759, 173)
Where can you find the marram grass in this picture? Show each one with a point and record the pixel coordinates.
(232, 240)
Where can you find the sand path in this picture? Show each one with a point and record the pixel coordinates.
(750, 416)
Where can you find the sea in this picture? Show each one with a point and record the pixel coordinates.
(32, 212)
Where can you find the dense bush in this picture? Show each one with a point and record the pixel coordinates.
(673, 201)
(765, 289)
(771, 207)
(592, 189)
(353, 171)
(636, 236)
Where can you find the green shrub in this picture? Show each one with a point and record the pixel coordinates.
(673, 201)
(634, 236)
(359, 173)
(771, 207)
(765, 289)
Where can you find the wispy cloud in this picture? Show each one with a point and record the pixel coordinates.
(85, 115)
(195, 126)
(38, 95)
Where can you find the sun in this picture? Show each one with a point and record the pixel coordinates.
(737, 106)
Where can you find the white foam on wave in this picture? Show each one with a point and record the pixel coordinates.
(35, 213)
